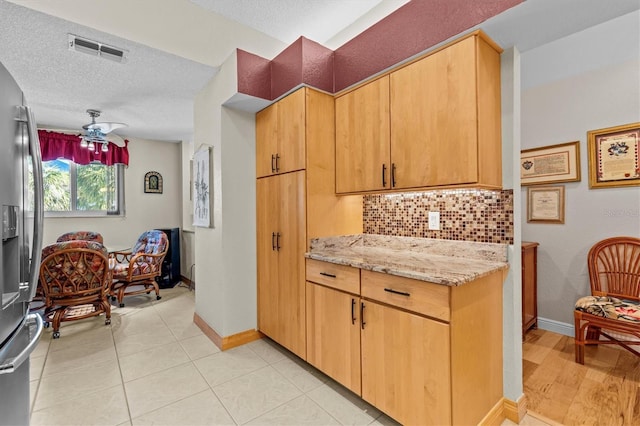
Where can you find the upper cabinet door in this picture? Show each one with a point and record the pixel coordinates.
(266, 140)
(291, 132)
(280, 136)
(362, 138)
(434, 137)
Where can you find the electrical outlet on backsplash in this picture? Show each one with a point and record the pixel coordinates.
(465, 214)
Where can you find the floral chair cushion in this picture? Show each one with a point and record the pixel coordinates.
(610, 307)
(81, 235)
(150, 242)
(72, 271)
(121, 270)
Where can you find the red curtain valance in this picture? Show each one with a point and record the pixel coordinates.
(54, 145)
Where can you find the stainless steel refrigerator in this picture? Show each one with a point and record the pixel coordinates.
(21, 205)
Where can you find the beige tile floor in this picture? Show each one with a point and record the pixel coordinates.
(152, 365)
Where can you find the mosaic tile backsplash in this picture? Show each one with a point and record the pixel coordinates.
(466, 215)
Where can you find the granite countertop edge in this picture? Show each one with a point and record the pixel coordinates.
(445, 262)
(449, 279)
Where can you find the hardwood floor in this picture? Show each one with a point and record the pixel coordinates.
(604, 391)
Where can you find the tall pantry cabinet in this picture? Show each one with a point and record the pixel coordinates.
(296, 201)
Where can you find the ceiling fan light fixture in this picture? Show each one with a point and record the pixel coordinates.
(96, 133)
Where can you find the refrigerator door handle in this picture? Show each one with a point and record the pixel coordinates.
(9, 365)
(38, 201)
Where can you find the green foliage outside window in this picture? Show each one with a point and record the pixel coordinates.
(96, 187)
(57, 187)
(70, 187)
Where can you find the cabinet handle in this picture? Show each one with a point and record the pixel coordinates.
(384, 172)
(353, 311)
(393, 175)
(273, 168)
(327, 274)
(401, 293)
(277, 162)
(362, 315)
(278, 241)
(273, 241)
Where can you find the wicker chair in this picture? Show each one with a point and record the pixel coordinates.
(38, 299)
(75, 280)
(614, 304)
(135, 271)
(81, 235)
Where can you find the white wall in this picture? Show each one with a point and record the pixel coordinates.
(143, 211)
(573, 90)
(512, 294)
(225, 254)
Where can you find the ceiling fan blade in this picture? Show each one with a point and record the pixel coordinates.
(104, 127)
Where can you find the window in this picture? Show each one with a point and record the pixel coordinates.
(72, 189)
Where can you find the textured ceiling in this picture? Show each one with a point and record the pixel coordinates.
(153, 91)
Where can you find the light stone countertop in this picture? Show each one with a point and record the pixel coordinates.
(443, 262)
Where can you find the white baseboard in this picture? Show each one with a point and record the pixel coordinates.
(556, 326)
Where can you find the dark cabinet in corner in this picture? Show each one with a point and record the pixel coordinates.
(170, 275)
(529, 286)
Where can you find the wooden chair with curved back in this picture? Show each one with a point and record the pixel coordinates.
(38, 299)
(139, 267)
(614, 304)
(75, 280)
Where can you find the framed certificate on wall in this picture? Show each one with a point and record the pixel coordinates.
(550, 164)
(545, 204)
(614, 156)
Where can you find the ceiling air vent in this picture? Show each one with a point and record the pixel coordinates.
(96, 48)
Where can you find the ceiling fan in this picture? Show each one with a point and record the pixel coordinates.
(96, 133)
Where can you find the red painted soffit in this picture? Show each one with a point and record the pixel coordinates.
(413, 28)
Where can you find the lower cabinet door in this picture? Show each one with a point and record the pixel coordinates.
(333, 334)
(267, 225)
(406, 365)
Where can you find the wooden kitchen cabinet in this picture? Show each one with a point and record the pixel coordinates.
(333, 321)
(443, 126)
(333, 334)
(363, 152)
(445, 117)
(280, 136)
(267, 225)
(459, 356)
(292, 207)
(281, 239)
(425, 349)
(529, 286)
(405, 365)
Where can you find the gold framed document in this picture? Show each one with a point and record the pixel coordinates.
(550, 164)
(545, 204)
(614, 156)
